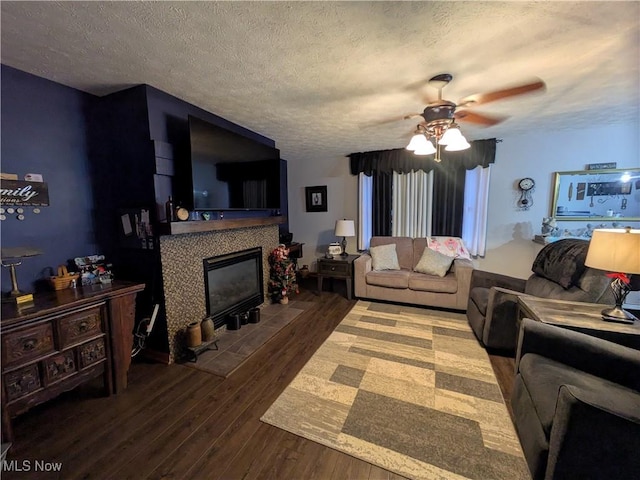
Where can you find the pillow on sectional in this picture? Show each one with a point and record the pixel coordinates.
(384, 257)
(451, 246)
(434, 263)
(562, 261)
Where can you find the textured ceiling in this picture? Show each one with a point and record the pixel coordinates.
(317, 77)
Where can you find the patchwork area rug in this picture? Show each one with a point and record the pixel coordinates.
(409, 390)
(236, 346)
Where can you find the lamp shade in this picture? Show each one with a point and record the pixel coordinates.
(457, 144)
(426, 149)
(452, 135)
(345, 228)
(418, 141)
(615, 250)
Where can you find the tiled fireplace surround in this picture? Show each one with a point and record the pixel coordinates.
(183, 271)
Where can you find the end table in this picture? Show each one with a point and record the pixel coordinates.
(578, 316)
(340, 267)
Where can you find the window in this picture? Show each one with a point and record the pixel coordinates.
(413, 206)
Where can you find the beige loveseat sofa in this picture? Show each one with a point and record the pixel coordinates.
(408, 286)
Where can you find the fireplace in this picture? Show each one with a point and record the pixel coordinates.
(183, 280)
(233, 283)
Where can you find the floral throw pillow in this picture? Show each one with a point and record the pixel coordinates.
(384, 257)
(434, 263)
(450, 246)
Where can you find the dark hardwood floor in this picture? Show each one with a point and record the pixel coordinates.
(179, 422)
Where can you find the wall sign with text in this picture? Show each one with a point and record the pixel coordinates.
(20, 193)
(601, 166)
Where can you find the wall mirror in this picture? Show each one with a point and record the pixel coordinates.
(597, 195)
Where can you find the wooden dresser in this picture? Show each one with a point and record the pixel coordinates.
(62, 340)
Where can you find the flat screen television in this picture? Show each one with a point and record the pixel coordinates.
(230, 171)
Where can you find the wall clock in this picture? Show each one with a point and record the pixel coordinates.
(182, 214)
(526, 185)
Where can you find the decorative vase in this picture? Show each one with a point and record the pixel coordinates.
(207, 328)
(194, 334)
(254, 315)
(284, 300)
(234, 322)
(304, 271)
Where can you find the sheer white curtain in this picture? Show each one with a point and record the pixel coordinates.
(365, 210)
(412, 200)
(476, 206)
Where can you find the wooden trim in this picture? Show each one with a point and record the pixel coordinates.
(179, 228)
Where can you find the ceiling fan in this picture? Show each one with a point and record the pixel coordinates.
(438, 120)
(441, 111)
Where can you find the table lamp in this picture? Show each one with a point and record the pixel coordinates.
(616, 251)
(11, 258)
(345, 228)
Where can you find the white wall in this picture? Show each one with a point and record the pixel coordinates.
(316, 229)
(510, 249)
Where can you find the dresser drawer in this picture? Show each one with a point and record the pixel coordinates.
(334, 268)
(81, 325)
(26, 344)
(59, 366)
(91, 352)
(22, 382)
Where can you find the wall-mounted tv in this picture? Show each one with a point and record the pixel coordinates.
(230, 171)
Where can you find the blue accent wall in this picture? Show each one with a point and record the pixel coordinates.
(168, 119)
(97, 156)
(44, 131)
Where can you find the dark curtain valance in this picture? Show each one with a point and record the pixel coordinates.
(401, 160)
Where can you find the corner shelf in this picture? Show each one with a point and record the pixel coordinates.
(199, 226)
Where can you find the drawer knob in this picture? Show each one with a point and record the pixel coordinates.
(83, 327)
(29, 344)
(333, 268)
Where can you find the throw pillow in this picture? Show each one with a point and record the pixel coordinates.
(434, 263)
(562, 261)
(451, 246)
(384, 257)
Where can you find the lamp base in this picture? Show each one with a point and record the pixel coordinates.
(19, 298)
(617, 314)
(344, 247)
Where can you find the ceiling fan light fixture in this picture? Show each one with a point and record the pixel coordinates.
(426, 149)
(451, 136)
(418, 141)
(460, 144)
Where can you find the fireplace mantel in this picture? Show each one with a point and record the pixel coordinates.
(179, 228)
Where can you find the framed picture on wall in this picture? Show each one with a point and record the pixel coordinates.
(316, 198)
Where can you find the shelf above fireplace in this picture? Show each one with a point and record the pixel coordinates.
(180, 228)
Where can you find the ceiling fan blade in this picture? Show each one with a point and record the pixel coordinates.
(478, 118)
(482, 98)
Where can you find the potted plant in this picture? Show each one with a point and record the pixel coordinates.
(282, 275)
